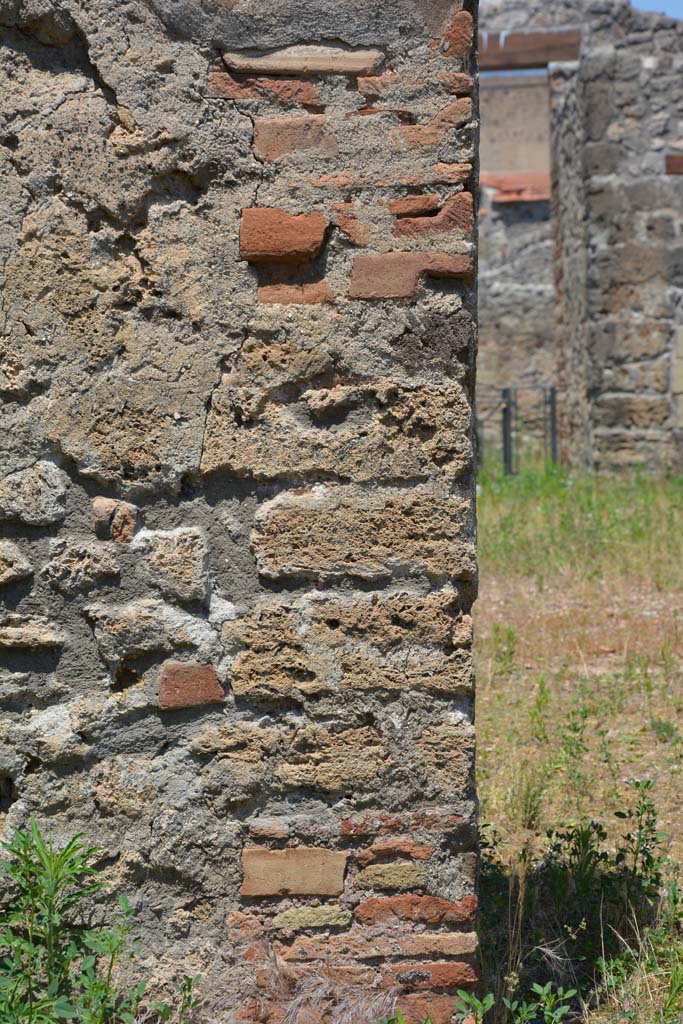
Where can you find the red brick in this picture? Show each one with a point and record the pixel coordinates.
(456, 82)
(457, 215)
(343, 974)
(455, 114)
(360, 944)
(397, 275)
(378, 85)
(277, 137)
(432, 910)
(440, 173)
(243, 928)
(383, 823)
(395, 848)
(292, 294)
(425, 136)
(271, 235)
(297, 871)
(234, 86)
(418, 1007)
(457, 42)
(425, 975)
(674, 163)
(348, 222)
(188, 684)
(413, 206)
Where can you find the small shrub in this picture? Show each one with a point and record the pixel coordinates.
(52, 967)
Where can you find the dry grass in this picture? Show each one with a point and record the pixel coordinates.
(580, 666)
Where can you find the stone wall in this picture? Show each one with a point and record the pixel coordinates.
(616, 119)
(236, 502)
(516, 278)
(517, 298)
(633, 95)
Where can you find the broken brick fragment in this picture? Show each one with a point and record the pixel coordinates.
(395, 848)
(397, 275)
(348, 222)
(296, 91)
(414, 206)
(188, 684)
(458, 40)
(425, 975)
(457, 215)
(114, 520)
(403, 115)
(456, 82)
(269, 235)
(378, 85)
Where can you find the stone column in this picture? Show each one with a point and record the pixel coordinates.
(237, 493)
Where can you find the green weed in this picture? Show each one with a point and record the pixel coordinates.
(52, 966)
(539, 711)
(504, 649)
(469, 1006)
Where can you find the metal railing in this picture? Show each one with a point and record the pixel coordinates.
(502, 406)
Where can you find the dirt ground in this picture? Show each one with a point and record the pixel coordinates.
(579, 690)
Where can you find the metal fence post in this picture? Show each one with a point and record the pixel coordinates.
(552, 409)
(508, 458)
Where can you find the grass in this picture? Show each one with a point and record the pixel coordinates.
(580, 666)
(545, 523)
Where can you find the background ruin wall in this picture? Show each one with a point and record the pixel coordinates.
(236, 492)
(516, 278)
(616, 130)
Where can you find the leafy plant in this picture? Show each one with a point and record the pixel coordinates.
(470, 1006)
(521, 1012)
(52, 966)
(640, 853)
(553, 1005)
(574, 747)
